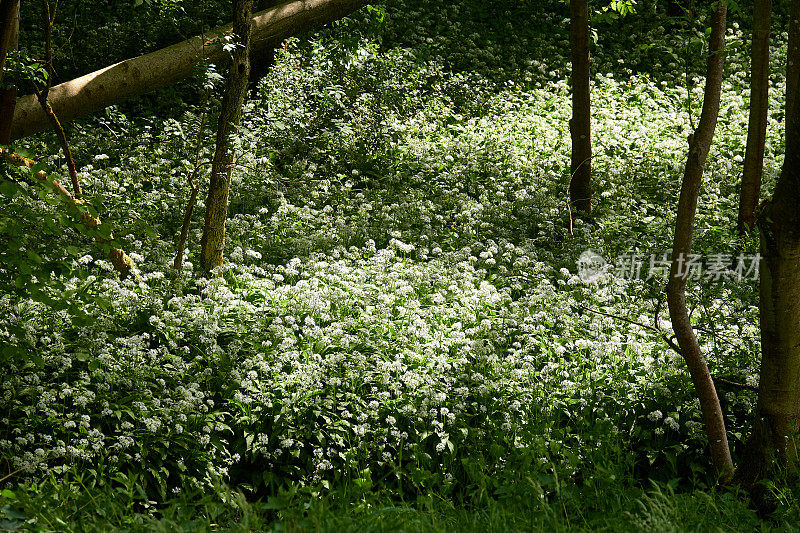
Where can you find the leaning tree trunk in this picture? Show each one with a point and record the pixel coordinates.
(772, 446)
(757, 127)
(699, 145)
(9, 32)
(213, 241)
(580, 189)
(140, 75)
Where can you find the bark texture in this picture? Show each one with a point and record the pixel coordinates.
(143, 74)
(793, 61)
(9, 33)
(699, 145)
(757, 126)
(9, 29)
(213, 241)
(772, 446)
(580, 188)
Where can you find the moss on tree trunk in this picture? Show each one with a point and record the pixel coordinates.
(213, 241)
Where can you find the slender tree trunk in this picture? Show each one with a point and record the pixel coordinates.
(9, 32)
(772, 446)
(195, 187)
(213, 240)
(143, 74)
(793, 61)
(580, 188)
(757, 127)
(699, 145)
(48, 109)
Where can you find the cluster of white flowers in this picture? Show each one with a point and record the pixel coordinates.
(360, 318)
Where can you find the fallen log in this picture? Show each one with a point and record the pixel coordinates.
(119, 259)
(140, 75)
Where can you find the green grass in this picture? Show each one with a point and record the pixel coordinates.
(616, 506)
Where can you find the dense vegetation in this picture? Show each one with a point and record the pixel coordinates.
(400, 338)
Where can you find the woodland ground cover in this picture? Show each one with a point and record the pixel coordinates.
(399, 339)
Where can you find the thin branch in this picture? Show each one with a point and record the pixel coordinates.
(47, 108)
(723, 381)
(670, 340)
(15, 472)
(187, 217)
(624, 319)
(121, 261)
(686, 61)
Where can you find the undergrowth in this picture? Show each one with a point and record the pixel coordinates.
(400, 339)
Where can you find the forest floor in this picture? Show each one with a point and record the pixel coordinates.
(401, 338)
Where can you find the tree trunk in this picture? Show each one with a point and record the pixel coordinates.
(793, 61)
(9, 29)
(580, 189)
(772, 446)
(699, 145)
(213, 241)
(261, 61)
(757, 127)
(164, 67)
(9, 33)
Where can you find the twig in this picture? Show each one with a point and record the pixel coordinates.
(659, 303)
(686, 61)
(569, 211)
(15, 472)
(723, 381)
(187, 217)
(122, 263)
(47, 108)
(624, 319)
(670, 340)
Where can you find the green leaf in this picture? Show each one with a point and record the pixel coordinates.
(24, 152)
(33, 256)
(9, 189)
(38, 167)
